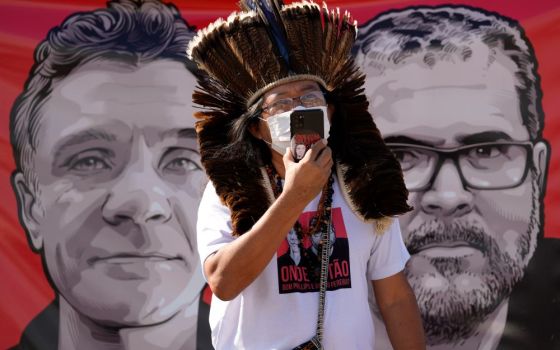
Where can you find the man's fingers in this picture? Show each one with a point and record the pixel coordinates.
(328, 165)
(324, 157)
(288, 156)
(315, 150)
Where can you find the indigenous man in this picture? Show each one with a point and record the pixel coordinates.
(262, 63)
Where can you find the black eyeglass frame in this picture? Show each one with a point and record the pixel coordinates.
(298, 98)
(453, 153)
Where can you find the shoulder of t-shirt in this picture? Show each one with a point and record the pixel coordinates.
(210, 197)
(394, 230)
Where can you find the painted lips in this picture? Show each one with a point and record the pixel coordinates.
(125, 258)
(448, 251)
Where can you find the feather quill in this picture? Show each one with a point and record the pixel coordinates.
(269, 12)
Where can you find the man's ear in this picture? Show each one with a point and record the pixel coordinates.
(254, 129)
(541, 157)
(28, 210)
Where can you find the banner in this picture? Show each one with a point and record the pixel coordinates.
(101, 178)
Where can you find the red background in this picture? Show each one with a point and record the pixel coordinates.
(24, 290)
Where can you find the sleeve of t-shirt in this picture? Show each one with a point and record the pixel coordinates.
(213, 227)
(388, 254)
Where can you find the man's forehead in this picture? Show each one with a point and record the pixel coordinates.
(157, 72)
(111, 88)
(501, 74)
(447, 101)
(121, 131)
(115, 99)
(447, 115)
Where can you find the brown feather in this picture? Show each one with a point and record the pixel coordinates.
(241, 59)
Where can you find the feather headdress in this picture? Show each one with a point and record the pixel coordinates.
(265, 45)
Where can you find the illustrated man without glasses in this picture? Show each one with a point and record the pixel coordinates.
(456, 92)
(109, 178)
(263, 62)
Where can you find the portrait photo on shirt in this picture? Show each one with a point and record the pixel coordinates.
(299, 263)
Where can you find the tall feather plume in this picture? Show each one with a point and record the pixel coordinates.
(232, 69)
(294, 35)
(270, 10)
(341, 50)
(327, 37)
(332, 39)
(269, 13)
(267, 42)
(302, 25)
(265, 63)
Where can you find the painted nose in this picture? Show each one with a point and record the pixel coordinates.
(447, 197)
(138, 198)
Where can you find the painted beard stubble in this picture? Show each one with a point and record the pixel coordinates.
(452, 315)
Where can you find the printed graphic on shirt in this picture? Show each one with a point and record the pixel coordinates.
(299, 265)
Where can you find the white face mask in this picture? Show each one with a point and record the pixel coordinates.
(279, 126)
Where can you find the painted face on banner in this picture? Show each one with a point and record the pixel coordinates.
(469, 246)
(119, 182)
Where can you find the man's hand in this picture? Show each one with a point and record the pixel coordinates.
(305, 179)
(233, 267)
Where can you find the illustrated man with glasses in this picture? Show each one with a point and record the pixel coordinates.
(456, 94)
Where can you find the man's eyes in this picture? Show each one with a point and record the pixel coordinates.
(307, 98)
(282, 104)
(182, 164)
(311, 97)
(180, 161)
(90, 162)
(406, 155)
(410, 158)
(489, 151)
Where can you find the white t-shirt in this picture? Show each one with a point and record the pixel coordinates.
(279, 309)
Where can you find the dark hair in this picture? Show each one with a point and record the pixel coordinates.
(441, 32)
(242, 144)
(131, 31)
